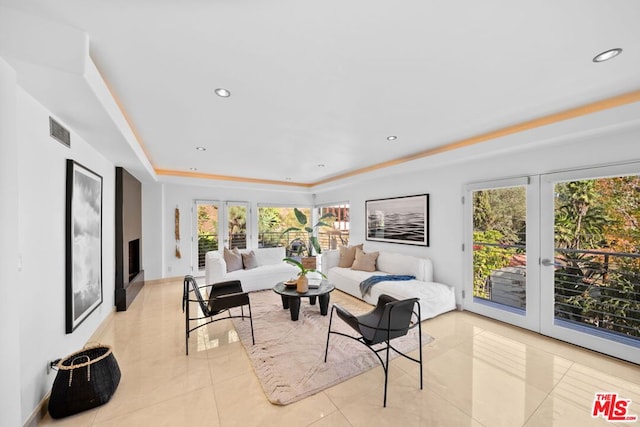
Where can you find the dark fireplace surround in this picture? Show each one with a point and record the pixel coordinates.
(129, 269)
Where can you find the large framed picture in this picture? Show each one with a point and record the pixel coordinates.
(83, 245)
(399, 220)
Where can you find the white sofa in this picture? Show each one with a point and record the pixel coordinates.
(435, 298)
(271, 269)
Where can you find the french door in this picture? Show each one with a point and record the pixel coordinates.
(501, 249)
(207, 231)
(590, 259)
(237, 228)
(559, 254)
(217, 225)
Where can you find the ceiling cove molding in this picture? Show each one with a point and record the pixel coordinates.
(594, 107)
(119, 117)
(613, 102)
(169, 172)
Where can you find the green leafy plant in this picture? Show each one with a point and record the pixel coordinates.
(487, 259)
(303, 269)
(313, 240)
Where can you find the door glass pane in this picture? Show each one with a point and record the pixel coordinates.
(237, 226)
(597, 255)
(499, 246)
(207, 230)
(337, 232)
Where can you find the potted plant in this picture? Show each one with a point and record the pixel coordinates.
(312, 240)
(302, 284)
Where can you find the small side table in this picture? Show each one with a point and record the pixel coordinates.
(291, 297)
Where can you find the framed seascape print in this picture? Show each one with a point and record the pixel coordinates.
(84, 244)
(399, 220)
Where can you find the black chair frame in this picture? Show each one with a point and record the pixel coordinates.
(296, 247)
(223, 296)
(383, 331)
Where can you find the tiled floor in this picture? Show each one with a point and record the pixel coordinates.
(478, 372)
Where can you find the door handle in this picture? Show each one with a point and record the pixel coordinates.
(549, 263)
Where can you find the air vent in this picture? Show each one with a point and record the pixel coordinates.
(59, 133)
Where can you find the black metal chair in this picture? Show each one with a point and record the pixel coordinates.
(296, 248)
(391, 318)
(222, 297)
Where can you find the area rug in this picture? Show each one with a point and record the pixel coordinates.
(288, 357)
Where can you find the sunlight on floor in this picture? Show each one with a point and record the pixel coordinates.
(478, 372)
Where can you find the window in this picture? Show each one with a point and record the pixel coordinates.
(273, 220)
(338, 231)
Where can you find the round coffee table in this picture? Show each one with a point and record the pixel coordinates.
(291, 297)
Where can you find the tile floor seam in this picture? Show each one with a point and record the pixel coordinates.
(548, 394)
(141, 408)
(337, 410)
(444, 397)
(215, 399)
(471, 415)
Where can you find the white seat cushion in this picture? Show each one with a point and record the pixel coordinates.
(263, 277)
(435, 298)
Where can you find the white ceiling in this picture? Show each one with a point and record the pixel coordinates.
(326, 82)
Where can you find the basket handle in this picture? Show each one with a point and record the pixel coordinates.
(88, 368)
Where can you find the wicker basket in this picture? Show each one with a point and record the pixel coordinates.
(85, 379)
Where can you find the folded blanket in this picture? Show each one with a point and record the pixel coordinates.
(367, 284)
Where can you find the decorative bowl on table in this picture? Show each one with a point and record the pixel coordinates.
(291, 283)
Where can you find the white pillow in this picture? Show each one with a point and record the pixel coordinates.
(269, 256)
(394, 263)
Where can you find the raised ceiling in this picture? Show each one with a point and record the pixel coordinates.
(325, 83)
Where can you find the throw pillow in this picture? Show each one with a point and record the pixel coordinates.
(348, 255)
(249, 260)
(233, 259)
(364, 261)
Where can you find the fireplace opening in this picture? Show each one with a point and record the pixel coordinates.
(134, 258)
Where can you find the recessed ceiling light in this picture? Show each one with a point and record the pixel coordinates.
(223, 93)
(320, 165)
(607, 55)
(392, 138)
(201, 149)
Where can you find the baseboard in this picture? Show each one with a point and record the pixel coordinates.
(42, 408)
(163, 280)
(38, 413)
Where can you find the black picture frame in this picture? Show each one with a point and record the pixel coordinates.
(83, 244)
(402, 219)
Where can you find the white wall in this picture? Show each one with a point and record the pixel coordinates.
(40, 291)
(159, 203)
(445, 188)
(10, 298)
(153, 214)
